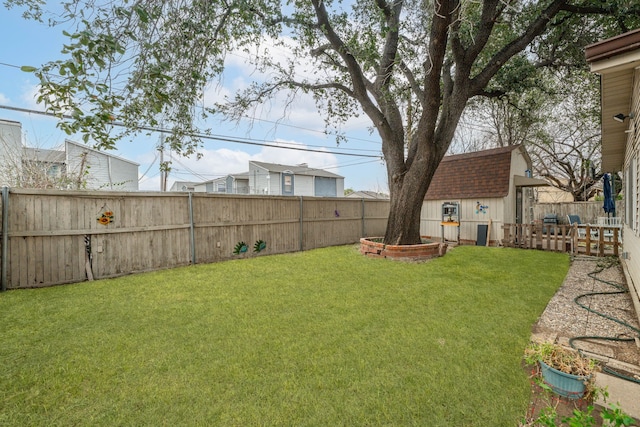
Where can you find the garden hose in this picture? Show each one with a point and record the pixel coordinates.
(620, 289)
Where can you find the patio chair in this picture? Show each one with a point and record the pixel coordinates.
(613, 221)
(582, 231)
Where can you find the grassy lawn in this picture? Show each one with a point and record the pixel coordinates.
(319, 338)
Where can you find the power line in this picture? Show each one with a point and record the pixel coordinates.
(149, 168)
(9, 65)
(191, 171)
(202, 175)
(307, 129)
(222, 138)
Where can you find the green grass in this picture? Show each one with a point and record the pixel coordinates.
(319, 338)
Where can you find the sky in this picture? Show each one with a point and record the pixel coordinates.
(32, 43)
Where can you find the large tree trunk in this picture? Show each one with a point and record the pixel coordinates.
(407, 192)
(403, 224)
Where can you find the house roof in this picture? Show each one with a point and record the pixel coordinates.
(368, 195)
(104, 153)
(43, 155)
(178, 185)
(11, 122)
(302, 169)
(614, 60)
(478, 174)
(243, 175)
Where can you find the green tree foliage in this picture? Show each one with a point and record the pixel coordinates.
(410, 66)
(554, 109)
(558, 121)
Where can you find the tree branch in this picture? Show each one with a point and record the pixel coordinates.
(357, 77)
(388, 59)
(535, 28)
(415, 87)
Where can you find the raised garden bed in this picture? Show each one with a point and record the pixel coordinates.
(375, 247)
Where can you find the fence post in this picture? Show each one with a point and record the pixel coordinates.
(363, 229)
(5, 237)
(301, 225)
(192, 235)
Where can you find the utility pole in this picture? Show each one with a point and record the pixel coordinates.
(163, 166)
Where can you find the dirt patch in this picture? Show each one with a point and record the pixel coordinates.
(557, 408)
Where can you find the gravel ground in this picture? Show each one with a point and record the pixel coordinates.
(564, 319)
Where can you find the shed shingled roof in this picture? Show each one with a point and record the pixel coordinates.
(470, 175)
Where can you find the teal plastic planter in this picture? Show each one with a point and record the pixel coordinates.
(566, 385)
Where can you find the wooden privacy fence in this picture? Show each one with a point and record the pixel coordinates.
(575, 239)
(55, 237)
(587, 211)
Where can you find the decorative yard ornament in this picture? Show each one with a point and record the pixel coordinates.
(240, 248)
(106, 217)
(480, 208)
(259, 246)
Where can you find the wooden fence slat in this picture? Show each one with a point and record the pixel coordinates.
(47, 230)
(562, 238)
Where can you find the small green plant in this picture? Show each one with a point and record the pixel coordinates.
(614, 416)
(580, 418)
(547, 417)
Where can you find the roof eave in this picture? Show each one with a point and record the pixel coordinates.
(615, 60)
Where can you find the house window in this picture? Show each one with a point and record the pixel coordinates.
(325, 187)
(222, 187)
(54, 171)
(287, 182)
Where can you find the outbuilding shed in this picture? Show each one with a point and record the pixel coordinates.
(490, 187)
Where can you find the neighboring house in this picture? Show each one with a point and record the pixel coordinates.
(237, 183)
(101, 171)
(218, 185)
(230, 184)
(10, 150)
(553, 195)
(41, 166)
(368, 195)
(486, 185)
(617, 61)
(184, 186)
(273, 179)
(299, 180)
(77, 166)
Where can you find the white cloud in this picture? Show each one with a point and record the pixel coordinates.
(29, 95)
